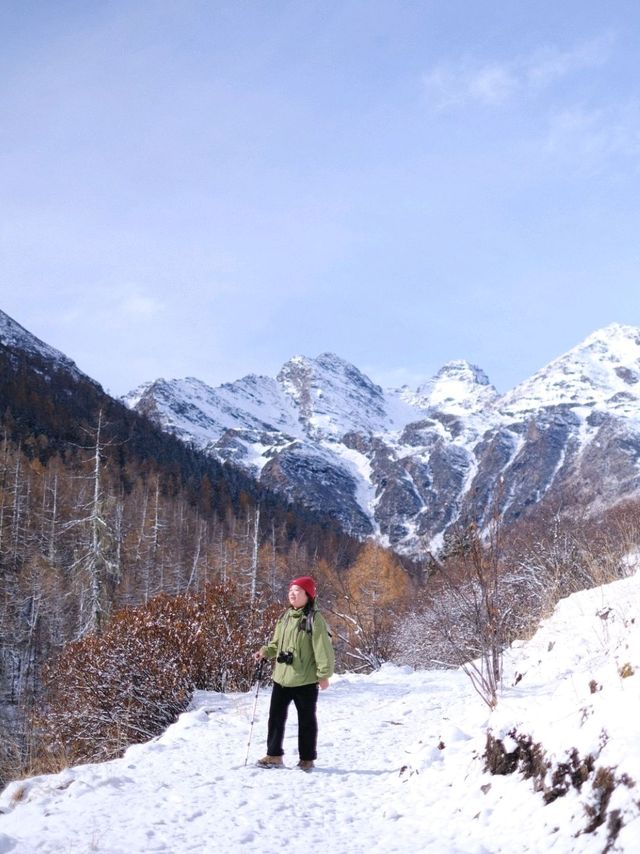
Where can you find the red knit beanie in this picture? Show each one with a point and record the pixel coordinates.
(307, 583)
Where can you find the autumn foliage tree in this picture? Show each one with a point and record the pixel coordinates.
(370, 596)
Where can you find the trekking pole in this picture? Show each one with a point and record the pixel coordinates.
(255, 703)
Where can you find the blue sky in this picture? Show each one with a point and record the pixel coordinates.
(206, 189)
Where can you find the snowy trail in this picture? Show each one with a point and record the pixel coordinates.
(190, 790)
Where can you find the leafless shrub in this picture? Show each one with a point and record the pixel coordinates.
(11, 753)
(564, 557)
(492, 589)
(465, 620)
(129, 683)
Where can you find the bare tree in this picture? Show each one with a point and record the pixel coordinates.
(95, 565)
(467, 617)
(254, 555)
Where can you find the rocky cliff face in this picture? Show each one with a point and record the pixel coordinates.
(406, 465)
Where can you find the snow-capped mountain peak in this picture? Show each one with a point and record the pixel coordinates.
(332, 396)
(458, 388)
(602, 372)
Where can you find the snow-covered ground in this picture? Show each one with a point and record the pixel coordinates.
(400, 765)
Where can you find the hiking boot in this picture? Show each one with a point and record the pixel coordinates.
(270, 762)
(305, 764)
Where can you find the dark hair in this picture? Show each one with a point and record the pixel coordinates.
(306, 623)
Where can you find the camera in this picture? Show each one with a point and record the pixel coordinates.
(285, 657)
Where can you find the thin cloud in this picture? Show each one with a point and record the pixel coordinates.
(492, 84)
(592, 138)
(111, 307)
(551, 64)
(139, 306)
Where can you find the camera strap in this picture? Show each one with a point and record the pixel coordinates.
(305, 624)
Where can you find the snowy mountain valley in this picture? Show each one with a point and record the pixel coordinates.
(404, 764)
(408, 466)
(410, 759)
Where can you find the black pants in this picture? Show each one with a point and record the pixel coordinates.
(305, 698)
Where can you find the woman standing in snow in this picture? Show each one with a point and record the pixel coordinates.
(304, 656)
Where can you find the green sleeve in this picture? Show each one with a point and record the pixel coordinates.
(270, 650)
(322, 648)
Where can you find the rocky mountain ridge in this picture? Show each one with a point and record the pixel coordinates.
(406, 465)
(19, 340)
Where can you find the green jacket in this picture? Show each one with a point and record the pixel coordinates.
(313, 656)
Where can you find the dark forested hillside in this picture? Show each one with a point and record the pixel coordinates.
(49, 414)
